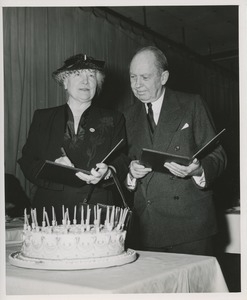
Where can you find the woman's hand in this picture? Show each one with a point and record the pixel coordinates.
(194, 169)
(64, 160)
(96, 174)
(137, 170)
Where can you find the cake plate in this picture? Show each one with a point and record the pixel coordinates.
(18, 260)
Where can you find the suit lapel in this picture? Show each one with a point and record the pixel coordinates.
(169, 121)
(140, 129)
(56, 133)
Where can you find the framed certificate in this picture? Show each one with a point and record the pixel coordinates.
(156, 159)
(59, 173)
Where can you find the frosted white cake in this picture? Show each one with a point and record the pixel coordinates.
(75, 241)
(72, 243)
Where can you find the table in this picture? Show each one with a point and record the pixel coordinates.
(13, 234)
(152, 272)
(233, 230)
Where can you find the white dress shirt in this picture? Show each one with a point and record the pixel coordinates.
(156, 107)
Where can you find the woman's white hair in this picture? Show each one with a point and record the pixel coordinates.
(100, 77)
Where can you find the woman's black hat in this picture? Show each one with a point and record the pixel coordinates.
(76, 63)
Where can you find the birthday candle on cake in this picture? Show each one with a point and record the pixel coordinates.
(47, 219)
(120, 218)
(65, 219)
(63, 215)
(32, 216)
(53, 213)
(28, 227)
(107, 215)
(112, 216)
(25, 219)
(35, 217)
(82, 215)
(99, 215)
(117, 211)
(63, 212)
(95, 213)
(43, 222)
(124, 216)
(74, 220)
(88, 217)
(67, 214)
(121, 214)
(53, 217)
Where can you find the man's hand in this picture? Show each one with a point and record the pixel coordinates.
(194, 169)
(137, 170)
(96, 174)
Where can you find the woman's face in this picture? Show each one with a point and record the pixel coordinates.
(81, 86)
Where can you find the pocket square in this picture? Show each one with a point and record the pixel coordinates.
(186, 125)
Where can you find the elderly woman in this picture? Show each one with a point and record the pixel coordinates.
(78, 133)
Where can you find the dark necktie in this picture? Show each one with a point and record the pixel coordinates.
(150, 117)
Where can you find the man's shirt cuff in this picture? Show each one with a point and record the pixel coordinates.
(130, 182)
(200, 180)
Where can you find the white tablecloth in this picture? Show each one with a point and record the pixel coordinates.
(13, 232)
(233, 231)
(151, 273)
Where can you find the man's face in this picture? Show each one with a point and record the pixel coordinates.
(81, 86)
(145, 78)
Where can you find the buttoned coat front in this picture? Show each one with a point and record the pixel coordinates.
(173, 210)
(102, 131)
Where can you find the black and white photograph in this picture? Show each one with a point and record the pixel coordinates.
(123, 149)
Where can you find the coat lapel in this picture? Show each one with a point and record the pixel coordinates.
(169, 121)
(56, 133)
(140, 129)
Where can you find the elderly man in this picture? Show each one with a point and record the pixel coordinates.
(174, 208)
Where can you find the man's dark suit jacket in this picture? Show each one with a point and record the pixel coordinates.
(103, 130)
(174, 210)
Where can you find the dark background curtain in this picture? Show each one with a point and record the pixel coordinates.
(38, 39)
